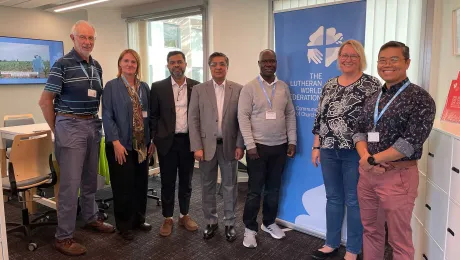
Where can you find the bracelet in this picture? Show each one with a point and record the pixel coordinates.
(315, 147)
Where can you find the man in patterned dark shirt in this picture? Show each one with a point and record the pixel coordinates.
(389, 137)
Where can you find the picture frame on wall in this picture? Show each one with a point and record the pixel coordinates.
(456, 31)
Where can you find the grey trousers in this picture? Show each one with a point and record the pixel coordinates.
(77, 152)
(228, 170)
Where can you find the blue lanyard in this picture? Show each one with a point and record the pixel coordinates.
(265, 92)
(377, 116)
(87, 76)
(139, 93)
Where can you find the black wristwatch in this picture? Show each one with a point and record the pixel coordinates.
(315, 147)
(371, 160)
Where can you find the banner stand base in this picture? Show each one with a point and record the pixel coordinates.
(306, 231)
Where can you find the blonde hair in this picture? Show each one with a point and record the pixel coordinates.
(358, 47)
(138, 60)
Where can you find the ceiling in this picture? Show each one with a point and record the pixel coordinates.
(47, 4)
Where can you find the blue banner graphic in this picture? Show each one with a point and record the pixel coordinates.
(307, 44)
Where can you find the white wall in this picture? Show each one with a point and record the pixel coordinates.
(239, 28)
(25, 23)
(111, 39)
(445, 66)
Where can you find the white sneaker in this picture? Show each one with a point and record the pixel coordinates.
(249, 240)
(275, 231)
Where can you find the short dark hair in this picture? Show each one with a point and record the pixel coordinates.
(218, 54)
(396, 44)
(174, 53)
(267, 50)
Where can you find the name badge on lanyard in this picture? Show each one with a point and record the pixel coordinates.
(270, 114)
(374, 137)
(91, 91)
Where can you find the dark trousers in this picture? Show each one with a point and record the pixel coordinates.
(265, 171)
(129, 183)
(178, 160)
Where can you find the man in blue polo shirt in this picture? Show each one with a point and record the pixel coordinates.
(70, 103)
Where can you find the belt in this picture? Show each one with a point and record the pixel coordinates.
(77, 116)
(403, 164)
(181, 134)
(219, 141)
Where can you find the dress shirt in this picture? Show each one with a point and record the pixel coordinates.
(220, 93)
(180, 101)
(404, 126)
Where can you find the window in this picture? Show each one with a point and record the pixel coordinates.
(197, 39)
(182, 33)
(171, 33)
(197, 73)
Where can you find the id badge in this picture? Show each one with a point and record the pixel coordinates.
(92, 93)
(270, 115)
(373, 137)
(144, 114)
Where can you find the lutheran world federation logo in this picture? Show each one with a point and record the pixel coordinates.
(324, 44)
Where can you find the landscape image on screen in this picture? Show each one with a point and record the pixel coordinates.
(27, 61)
(18, 60)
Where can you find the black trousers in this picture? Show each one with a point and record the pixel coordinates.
(264, 172)
(178, 160)
(129, 187)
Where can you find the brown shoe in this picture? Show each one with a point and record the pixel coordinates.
(188, 223)
(69, 247)
(166, 228)
(100, 226)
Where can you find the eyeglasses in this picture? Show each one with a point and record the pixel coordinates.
(84, 38)
(353, 57)
(214, 64)
(392, 60)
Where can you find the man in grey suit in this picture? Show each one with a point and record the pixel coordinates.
(216, 139)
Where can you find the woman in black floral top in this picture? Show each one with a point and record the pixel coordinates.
(341, 103)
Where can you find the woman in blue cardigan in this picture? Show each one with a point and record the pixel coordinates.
(125, 117)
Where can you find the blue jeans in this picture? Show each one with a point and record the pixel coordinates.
(341, 175)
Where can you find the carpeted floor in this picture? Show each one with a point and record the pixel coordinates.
(180, 245)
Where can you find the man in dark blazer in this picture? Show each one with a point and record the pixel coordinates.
(169, 100)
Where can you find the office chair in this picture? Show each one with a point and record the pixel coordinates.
(31, 166)
(153, 193)
(16, 120)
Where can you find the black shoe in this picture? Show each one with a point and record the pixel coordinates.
(145, 227)
(230, 233)
(127, 235)
(210, 231)
(321, 255)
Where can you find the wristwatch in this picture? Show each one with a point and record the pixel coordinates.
(371, 160)
(315, 147)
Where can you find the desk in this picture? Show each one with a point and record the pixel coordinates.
(8, 133)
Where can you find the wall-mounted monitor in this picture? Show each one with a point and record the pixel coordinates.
(27, 61)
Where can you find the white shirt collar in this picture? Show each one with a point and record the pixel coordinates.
(216, 85)
(270, 84)
(174, 83)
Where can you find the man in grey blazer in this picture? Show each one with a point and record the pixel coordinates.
(216, 139)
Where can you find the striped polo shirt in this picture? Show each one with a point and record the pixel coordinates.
(73, 86)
